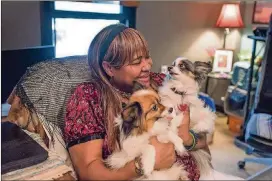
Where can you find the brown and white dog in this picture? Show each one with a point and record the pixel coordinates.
(143, 117)
(183, 88)
(34, 122)
(20, 115)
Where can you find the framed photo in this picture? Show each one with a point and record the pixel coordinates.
(223, 61)
(261, 12)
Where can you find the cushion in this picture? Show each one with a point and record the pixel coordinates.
(19, 114)
(43, 93)
(46, 87)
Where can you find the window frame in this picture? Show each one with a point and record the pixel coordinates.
(48, 14)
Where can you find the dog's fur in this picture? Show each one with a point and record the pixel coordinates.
(20, 115)
(143, 117)
(182, 88)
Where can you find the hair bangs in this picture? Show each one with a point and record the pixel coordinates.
(131, 45)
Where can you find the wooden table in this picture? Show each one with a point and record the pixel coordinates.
(216, 87)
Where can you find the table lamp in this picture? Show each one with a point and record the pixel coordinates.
(230, 17)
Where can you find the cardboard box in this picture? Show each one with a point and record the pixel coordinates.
(235, 124)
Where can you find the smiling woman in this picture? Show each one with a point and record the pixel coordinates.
(118, 56)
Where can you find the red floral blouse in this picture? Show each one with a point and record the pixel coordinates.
(84, 121)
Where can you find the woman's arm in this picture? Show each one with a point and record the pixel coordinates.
(187, 137)
(201, 144)
(81, 121)
(88, 163)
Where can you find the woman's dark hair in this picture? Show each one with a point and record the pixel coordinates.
(117, 45)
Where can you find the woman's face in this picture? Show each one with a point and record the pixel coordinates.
(136, 70)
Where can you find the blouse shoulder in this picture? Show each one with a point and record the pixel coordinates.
(84, 115)
(158, 78)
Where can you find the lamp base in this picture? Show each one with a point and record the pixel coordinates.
(226, 32)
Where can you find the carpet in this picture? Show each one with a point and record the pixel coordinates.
(225, 155)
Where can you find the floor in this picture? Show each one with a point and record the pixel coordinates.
(225, 155)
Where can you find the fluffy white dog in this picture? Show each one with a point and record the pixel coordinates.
(182, 89)
(146, 114)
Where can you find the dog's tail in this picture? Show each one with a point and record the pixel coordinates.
(203, 160)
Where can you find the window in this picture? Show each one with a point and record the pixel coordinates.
(73, 36)
(74, 24)
(105, 7)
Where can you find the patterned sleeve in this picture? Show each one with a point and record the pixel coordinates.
(158, 78)
(83, 119)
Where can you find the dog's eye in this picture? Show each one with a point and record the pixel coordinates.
(181, 66)
(155, 108)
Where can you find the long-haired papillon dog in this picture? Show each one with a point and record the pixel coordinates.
(143, 117)
(182, 88)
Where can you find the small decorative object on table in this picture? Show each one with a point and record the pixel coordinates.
(223, 61)
(211, 51)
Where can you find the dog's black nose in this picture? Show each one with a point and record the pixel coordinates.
(170, 68)
(170, 110)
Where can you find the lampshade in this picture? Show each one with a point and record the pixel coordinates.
(230, 17)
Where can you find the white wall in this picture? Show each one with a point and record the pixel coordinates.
(171, 28)
(20, 24)
(179, 28)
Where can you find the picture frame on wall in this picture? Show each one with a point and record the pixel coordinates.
(261, 12)
(223, 60)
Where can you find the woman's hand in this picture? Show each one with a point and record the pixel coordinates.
(184, 134)
(165, 154)
(184, 128)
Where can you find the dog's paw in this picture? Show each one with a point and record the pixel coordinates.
(163, 138)
(159, 127)
(174, 173)
(183, 175)
(180, 149)
(133, 145)
(148, 159)
(177, 172)
(117, 160)
(175, 122)
(201, 126)
(178, 142)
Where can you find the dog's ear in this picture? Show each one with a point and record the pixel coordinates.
(130, 115)
(154, 86)
(16, 111)
(137, 86)
(202, 69)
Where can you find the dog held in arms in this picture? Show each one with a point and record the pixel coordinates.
(143, 117)
(146, 115)
(182, 89)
